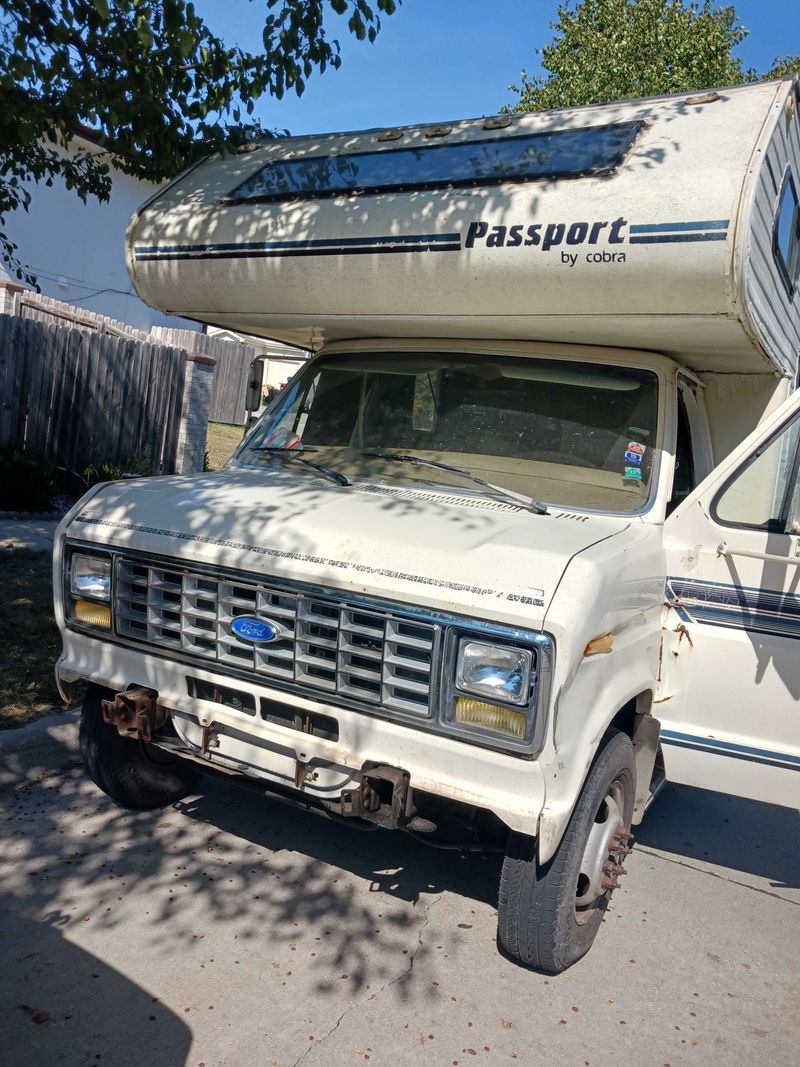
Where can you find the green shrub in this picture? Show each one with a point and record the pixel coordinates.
(140, 466)
(101, 472)
(27, 480)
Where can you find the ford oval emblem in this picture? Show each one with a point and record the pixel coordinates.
(256, 631)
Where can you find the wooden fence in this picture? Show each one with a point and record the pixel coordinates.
(233, 359)
(229, 391)
(79, 397)
(19, 300)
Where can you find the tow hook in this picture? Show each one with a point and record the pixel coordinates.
(135, 713)
(384, 797)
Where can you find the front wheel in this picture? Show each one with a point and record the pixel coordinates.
(133, 773)
(549, 914)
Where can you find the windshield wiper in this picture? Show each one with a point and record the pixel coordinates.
(292, 453)
(528, 502)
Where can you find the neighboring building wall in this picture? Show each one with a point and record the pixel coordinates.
(77, 251)
(281, 362)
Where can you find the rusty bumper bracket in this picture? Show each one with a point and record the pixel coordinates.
(136, 713)
(384, 797)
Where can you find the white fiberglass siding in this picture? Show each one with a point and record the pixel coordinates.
(773, 312)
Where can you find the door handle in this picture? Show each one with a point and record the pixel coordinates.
(724, 550)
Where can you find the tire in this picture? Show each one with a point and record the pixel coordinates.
(133, 773)
(543, 922)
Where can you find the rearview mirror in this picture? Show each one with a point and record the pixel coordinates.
(255, 383)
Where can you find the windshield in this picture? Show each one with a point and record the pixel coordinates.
(569, 433)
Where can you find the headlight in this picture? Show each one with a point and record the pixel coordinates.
(495, 671)
(90, 577)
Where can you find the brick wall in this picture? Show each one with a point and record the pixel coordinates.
(194, 414)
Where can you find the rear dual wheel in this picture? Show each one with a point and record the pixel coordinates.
(549, 914)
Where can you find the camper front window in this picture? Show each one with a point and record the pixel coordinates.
(570, 433)
(545, 154)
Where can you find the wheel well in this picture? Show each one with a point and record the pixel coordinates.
(636, 720)
(624, 720)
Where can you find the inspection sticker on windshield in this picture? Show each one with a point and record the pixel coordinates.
(633, 472)
(633, 457)
(634, 446)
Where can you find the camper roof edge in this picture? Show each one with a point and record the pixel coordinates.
(558, 112)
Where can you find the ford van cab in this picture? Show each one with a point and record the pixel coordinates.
(522, 540)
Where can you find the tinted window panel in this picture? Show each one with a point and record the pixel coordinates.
(787, 233)
(559, 154)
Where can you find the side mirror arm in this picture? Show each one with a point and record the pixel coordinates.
(724, 550)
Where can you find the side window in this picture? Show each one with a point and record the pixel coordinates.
(763, 494)
(786, 235)
(683, 481)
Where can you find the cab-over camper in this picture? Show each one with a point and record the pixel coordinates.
(522, 540)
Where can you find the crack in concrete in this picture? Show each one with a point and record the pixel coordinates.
(713, 874)
(386, 985)
(322, 1040)
(402, 977)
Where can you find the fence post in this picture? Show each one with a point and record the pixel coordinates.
(195, 405)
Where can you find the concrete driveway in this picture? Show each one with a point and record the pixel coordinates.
(229, 930)
(37, 534)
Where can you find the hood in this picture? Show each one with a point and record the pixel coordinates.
(447, 551)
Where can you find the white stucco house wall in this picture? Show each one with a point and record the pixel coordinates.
(77, 250)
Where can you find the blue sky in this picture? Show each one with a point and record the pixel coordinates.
(447, 59)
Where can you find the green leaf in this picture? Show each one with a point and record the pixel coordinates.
(614, 49)
(152, 77)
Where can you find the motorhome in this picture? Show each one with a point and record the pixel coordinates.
(522, 540)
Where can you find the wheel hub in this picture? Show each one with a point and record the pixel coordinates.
(603, 857)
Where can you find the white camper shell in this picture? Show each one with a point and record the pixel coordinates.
(658, 233)
(522, 539)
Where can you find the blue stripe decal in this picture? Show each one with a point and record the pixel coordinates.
(254, 245)
(677, 238)
(735, 751)
(294, 252)
(727, 593)
(754, 610)
(677, 227)
(750, 623)
(335, 246)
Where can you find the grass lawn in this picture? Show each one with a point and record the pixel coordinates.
(221, 441)
(29, 640)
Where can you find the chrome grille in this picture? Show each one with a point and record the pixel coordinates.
(369, 654)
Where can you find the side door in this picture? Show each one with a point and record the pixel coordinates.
(730, 666)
